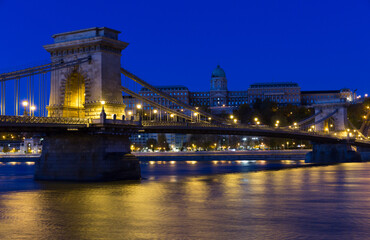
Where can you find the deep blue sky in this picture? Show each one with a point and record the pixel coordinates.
(319, 44)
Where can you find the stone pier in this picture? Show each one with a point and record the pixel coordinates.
(86, 156)
(328, 153)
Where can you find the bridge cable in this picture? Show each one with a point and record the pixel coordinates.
(136, 95)
(168, 97)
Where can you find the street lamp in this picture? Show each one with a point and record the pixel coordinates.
(277, 123)
(231, 116)
(102, 105)
(33, 108)
(25, 104)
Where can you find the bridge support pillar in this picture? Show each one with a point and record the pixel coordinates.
(84, 156)
(328, 153)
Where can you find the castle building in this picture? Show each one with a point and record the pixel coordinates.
(222, 101)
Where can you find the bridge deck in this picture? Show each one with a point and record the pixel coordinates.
(48, 124)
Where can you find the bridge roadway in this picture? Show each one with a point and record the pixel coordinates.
(30, 124)
(246, 130)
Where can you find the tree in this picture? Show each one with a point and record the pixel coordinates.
(268, 112)
(151, 143)
(356, 112)
(244, 113)
(6, 148)
(162, 142)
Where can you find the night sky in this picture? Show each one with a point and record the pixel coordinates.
(319, 44)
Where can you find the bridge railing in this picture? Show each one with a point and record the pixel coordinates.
(42, 120)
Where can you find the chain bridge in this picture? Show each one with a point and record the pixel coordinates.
(75, 103)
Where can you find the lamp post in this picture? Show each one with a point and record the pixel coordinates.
(25, 104)
(155, 111)
(139, 107)
(277, 123)
(256, 121)
(196, 116)
(32, 108)
(102, 105)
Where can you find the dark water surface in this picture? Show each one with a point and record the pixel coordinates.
(192, 200)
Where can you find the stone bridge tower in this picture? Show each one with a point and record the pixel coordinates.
(331, 116)
(79, 91)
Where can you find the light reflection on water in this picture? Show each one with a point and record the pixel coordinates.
(181, 201)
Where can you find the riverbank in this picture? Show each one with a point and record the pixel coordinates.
(19, 157)
(267, 155)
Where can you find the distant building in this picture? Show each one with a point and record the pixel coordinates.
(282, 93)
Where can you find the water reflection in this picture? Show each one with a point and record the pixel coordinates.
(306, 203)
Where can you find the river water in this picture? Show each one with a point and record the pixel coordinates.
(192, 200)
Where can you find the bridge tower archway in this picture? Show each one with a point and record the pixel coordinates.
(74, 95)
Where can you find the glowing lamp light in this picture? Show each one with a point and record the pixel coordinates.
(172, 115)
(25, 103)
(129, 113)
(33, 108)
(195, 114)
(231, 116)
(102, 102)
(139, 106)
(209, 118)
(155, 111)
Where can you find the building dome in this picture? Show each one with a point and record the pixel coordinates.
(218, 80)
(218, 72)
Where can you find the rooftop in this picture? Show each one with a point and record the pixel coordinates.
(320, 92)
(169, 87)
(274, 84)
(86, 33)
